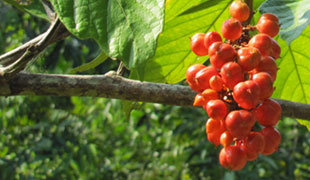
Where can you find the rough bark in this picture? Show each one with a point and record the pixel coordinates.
(113, 86)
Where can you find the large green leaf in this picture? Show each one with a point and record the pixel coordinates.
(127, 30)
(173, 54)
(294, 16)
(293, 82)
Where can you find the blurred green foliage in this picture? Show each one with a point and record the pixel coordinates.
(91, 138)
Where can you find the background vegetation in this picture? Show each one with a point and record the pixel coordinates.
(93, 138)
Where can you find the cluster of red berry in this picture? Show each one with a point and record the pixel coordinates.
(235, 89)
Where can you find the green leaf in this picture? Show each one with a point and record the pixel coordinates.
(33, 7)
(173, 54)
(94, 63)
(294, 16)
(293, 81)
(124, 29)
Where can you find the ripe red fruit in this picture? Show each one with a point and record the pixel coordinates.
(239, 10)
(231, 29)
(232, 74)
(255, 142)
(203, 76)
(267, 64)
(226, 139)
(272, 140)
(268, 113)
(199, 100)
(217, 109)
(232, 158)
(267, 26)
(213, 125)
(221, 53)
(190, 76)
(210, 38)
(216, 83)
(239, 123)
(265, 83)
(248, 58)
(263, 43)
(214, 129)
(209, 94)
(197, 45)
(246, 94)
(269, 16)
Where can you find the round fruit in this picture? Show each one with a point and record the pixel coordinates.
(232, 158)
(268, 26)
(263, 43)
(213, 125)
(197, 45)
(232, 74)
(268, 113)
(217, 109)
(265, 83)
(199, 100)
(255, 142)
(239, 10)
(246, 94)
(210, 94)
(267, 64)
(216, 83)
(226, 138)
(269, 16)
(221, 53)
(214, 130)
(251, 156)
(239, 123)
(210, 38)
(248, 58)
(272, 140)
(203, 76)
(190, 76)
(231, 29)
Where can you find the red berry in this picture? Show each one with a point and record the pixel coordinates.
(255, 142)
(191, 73)
(239, 10)
(216, 83)
(210, 94)
(232, 158)
(267, 64)
(248, 58)
(246, 94)
(226, 139)
(268, 26)
(217, 109)
(269, 16)
(199, 100)
(263, 43)
(272, 140)
(203, 76)
(221, 53)
(251, 156)
(232, 74)
(265, 83)
(197, 45)
(239, 123)
(211, 37)
(231, 29)
(214, 129)
(213, 125)
(268, 113)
